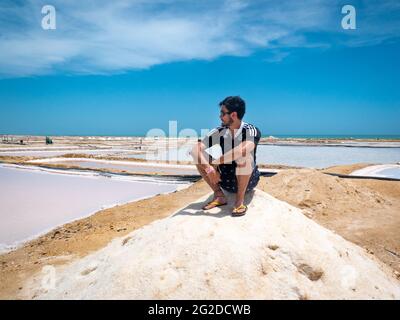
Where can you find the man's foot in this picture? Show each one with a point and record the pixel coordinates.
(216, 202)
(239, 211)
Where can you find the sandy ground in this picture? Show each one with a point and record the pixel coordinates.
(273, 252)
(81, 237)
(366, 212)
(345, 169)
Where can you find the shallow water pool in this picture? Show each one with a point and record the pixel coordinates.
(33, 202)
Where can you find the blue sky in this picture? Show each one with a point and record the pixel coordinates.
(124, 68)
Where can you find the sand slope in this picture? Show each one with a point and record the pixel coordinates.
(274, 252)
(363, 211)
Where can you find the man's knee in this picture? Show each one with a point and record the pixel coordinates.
(241, 163)
(244, 161)
(244, 165)
(200, 167)
(197, 149)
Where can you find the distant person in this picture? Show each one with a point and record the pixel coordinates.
(236, 170)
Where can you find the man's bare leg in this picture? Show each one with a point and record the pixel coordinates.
(201, 163)
(218, 193)
(244, 171)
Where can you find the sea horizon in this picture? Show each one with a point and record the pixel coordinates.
(282, 136)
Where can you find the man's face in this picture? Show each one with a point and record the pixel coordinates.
(225, 116)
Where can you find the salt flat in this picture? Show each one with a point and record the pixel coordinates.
(384, 170)
(33, 202)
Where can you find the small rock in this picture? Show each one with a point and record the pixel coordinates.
(55, 234)
(125, 241)
(87, 271)
(312, 274)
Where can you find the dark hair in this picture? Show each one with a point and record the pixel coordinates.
(234, 104)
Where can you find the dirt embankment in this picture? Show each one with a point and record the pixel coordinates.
(346, 169)
(366, 212)
(55, 165)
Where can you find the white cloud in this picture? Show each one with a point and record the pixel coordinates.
(97, 37)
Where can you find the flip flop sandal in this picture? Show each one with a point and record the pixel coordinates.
(239, 211)
(214, 203)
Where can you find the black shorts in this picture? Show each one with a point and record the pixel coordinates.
(229, 181)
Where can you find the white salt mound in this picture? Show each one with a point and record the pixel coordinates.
(273, 252)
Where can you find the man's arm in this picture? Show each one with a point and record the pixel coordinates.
(250, 138)
(198, 151)
(198, 155)
(241, 151)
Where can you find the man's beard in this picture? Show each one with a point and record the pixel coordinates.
(227, 124)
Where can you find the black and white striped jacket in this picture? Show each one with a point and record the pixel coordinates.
(222, 136)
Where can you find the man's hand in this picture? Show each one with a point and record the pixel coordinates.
(218, 161)
(243, 150)
(213, 175)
